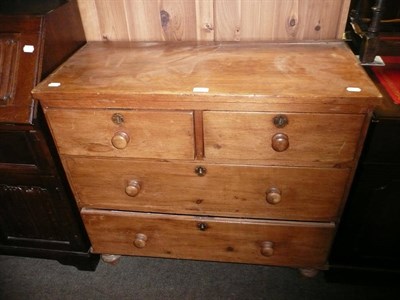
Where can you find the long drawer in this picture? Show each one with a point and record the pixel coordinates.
(302, 138)
(123, 133)
(220, 239)
(222, 190)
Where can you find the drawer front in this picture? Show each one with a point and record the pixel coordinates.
(300, 138)
(219, 239)
(140, 134)
(224, 190)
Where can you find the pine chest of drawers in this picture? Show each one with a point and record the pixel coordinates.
(226, 152)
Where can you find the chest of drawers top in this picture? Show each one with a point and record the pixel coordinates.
(202, 76)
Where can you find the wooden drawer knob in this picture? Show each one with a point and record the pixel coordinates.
(274, 196)
(267, 248)
(133, 188)
(140, 240)
(120, 140)
(280, 142)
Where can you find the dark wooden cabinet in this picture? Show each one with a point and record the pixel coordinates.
(38, 215)
(367, 245)
(368, 241)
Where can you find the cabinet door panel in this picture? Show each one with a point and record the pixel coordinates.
(34, 214)
(19, 63)
(9, 67)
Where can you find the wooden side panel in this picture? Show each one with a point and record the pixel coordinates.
(223, 20)
(59, 43)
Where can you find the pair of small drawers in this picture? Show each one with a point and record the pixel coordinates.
(256, 137)
(264, 191)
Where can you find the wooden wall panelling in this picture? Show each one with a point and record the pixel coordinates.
(112, 19)
(144, 20)
(205, 20)
(169, 20)
(322, 21)
(140, 20)
(221, 20)
(271, 20)
(343, 18)
(90, 19)
(227, 20)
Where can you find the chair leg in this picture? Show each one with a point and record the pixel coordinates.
(370, 44)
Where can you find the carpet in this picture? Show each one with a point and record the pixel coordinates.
(141, 278)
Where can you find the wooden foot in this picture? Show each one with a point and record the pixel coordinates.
(310, 273)
(111, 259)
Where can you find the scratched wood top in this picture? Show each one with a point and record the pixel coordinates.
(260, 72)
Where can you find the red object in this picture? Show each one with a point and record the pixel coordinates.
(389, 76)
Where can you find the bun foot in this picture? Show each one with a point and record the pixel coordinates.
(310, 273)
(111, 259)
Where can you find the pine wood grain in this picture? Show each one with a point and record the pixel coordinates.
(254, 73)
(151, 134)
(221, 20)
(235, 240)
(226, 190)
(112, 20)
(90, 19)
(320, 137)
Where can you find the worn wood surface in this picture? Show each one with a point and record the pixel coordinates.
(225, 190)
(255, 73)
(320, 137)
(151, 134)
(235, 240)
(212, 107)
(207, 20)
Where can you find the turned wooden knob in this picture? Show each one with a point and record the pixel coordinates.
(120, 140)
(274, 196)
(267, 248)
(140, 240)
(280, 142)
(133, 188)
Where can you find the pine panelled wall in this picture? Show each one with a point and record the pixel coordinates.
(213, 20)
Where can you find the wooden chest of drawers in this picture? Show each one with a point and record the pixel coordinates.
(226, 152)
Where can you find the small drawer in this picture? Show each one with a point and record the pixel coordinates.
(254, 136)
(220, 190)
(126, 133)
(218, 239)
